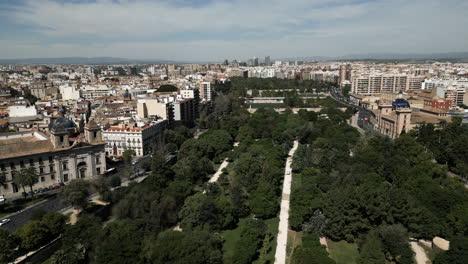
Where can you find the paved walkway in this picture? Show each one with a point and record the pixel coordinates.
(218, 173)
(223, 165)
(420, 255)
(282, 239)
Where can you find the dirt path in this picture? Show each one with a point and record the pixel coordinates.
(282, 239)
(215, 176)
(420, 255)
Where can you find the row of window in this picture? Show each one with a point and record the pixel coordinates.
(41, 168)
(81, 174)
(22, 163)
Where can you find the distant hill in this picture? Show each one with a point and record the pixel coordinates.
(388, 56)
(448, 56)
(82, 60)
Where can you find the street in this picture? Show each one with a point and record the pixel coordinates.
(52, 204)
(364, 114)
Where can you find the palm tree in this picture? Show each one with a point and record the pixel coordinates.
(26, 177)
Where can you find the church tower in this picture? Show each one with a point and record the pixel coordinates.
(93, 132)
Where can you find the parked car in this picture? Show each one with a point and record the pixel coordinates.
(56, 186)
(2, 198)
(5, 221)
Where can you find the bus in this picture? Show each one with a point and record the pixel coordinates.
(109, 172)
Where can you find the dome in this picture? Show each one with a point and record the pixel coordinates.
(61, 124)
(127, 94)
(400, 103)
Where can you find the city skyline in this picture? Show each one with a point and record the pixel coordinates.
(191, 30)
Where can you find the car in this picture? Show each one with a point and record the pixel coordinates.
(2, 198)
(5, 221)
(56, 186)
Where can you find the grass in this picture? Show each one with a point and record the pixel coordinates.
(343, 252)
(294, 240)
(232, 236)
(269, 247)
(230, 239)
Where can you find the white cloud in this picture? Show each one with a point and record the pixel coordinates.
(270, 27)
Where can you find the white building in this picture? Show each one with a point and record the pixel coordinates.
(206, 92)
(141, 139)
(454, 89)
(69, 92)
(96, 91)
(22, 110)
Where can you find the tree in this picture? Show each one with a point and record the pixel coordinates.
(316, 224)
(33, 235)
(172, 247)
(457, 254)
(264, 201)
(311, 251)
(346, 89)
(83, 235)
(127, 157)
(115, 181)
(70, 255)
(76, 193)
(55, 223)
(167, 88)
(371, 251)
(8, 244)
(120, 242)
(199, 210)
(395, 242)
(26, 177)
(252, 234)
(31, 98)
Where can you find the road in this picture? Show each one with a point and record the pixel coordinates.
(282, 239)
(364, 115)
(52, 204)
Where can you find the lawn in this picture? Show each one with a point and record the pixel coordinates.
(267, 253)
(343, 252)
(294, 240)
(269, 247)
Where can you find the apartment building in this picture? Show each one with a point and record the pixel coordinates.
(374, 84)
(206, 92)
(141, 138)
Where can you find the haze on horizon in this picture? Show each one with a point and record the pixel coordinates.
(233, 29)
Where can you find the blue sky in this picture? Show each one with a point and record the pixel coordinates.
(217, 29)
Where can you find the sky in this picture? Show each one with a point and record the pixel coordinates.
(208, 30)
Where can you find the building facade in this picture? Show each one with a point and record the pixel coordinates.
(57, 157)
(142, 140)
(375, 84)
(394, 119)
